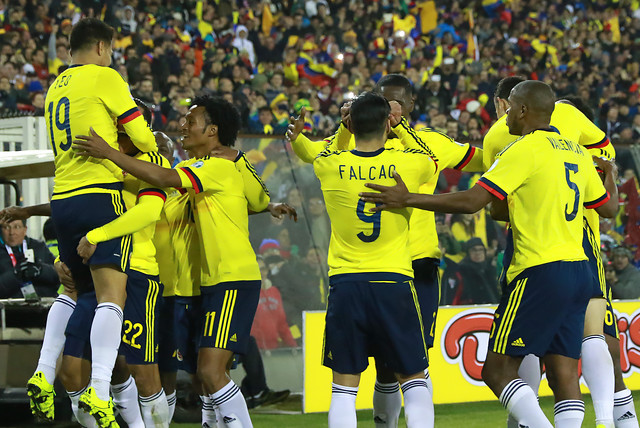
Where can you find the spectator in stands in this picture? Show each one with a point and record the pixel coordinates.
(473, 280)
(445, 237)
(24, 260)
(610, 275)
(627, 285)
(270, 327)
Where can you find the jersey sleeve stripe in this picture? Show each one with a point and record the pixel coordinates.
(467, 158)
(129, 115)
(598, 202)
(492, 188)
(195, 181)
(153, 192)
(603, 143)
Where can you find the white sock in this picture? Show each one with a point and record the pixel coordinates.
(597, 369)
(529, 372)
(209, 419)
(342, 411)
(624, 411)
(106, 333)
(427, 376)
(521, 402)
(125, 399)
(568, 413)
(83, 418)
(155, 410)
(54, 338)
(171, 401)
(387, 402)
(233, 409)
(418, 405)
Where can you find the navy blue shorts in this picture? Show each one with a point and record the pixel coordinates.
(427, 283)
(141, 314)
(74, 216)
(228, 309)
(167, 346)
(542, 311)
(374, 314)
(78, 332)
(187, 330)
(601, 288)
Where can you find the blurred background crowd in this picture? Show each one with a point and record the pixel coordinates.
(273, 57)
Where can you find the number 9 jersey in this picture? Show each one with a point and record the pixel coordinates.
(85, 96)
(363, 241)
(547, 181)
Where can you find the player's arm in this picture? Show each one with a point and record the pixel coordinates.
(10, 214)
(255, 191)
(95, 146)
(605, 204)
(308, 150)
(398, 196)
(116, 96)
(499, 210)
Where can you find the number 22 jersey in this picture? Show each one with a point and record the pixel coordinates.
(363, 241)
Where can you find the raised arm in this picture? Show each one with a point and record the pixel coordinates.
(609, 208)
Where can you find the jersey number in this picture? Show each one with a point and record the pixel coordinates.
(128, 326)
(61, 122)
(568, 167)
(373, 218)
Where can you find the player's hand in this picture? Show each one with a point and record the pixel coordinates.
(85, 250)
(279, 210)
(390, 197)
(13, 213)
(296, 125)
(92, 145)
(345, 115)
(65, 277)
(608, 166)
(396, 113)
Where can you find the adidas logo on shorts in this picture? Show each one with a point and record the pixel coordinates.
(234, 338)
(626, 416)
(517, 342)
(228, 419)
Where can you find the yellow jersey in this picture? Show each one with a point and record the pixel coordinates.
(445, 151)
(165, 256)
(85, 96)
(255, 191)
(362, 241)
(572, 125)
(547, 180)
(216, 189)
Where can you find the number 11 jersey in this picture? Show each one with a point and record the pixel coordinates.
(363, 241)
(547, 181)
(90, 96)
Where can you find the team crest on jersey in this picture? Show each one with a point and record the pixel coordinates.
(197, 164)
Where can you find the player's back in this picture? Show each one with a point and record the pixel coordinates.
(83, 97)
(362, 241)
(548, 179)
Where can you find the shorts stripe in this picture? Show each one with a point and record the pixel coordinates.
(150, 305)
(225, 318)
(417, 305)
(227, 326)
(509, 316)
(596, 254)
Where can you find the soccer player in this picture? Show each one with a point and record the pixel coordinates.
(425, 253)
(230, 278)
(549, 279)
(87, 194)
(574, 121)
(372, 306)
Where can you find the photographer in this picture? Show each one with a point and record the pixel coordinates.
(25, 260)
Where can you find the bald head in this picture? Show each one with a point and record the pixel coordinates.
(530, 106)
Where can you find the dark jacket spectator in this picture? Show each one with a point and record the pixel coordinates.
(628, 284)
(16, 268)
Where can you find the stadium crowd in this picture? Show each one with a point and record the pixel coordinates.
(273, 58)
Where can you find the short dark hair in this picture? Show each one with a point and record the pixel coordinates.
(223, 114)
(89, 31)
(578, 103)
(48, 230)
(145, 110)
(369, 113)
(264, 108)
(506, 85)
(396, 80)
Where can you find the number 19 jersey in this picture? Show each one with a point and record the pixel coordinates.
(547, 180)
(90, 96)
(362, 241)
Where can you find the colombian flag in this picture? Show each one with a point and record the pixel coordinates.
(318, 74)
